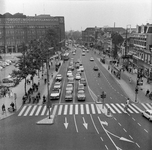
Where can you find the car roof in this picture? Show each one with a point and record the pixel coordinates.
(149, 110)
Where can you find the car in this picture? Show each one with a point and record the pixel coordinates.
(55, 94)
(69, 73)
(83, 54)
(87, 51)
(73, 53)
(69, 87)
(68, 95)
(81, 68)
(91, 59)
(148, 114)
(57, 85)
(80, 87)
(83, 81)
(78, 76)
(58, 77)
(95, 68)
(81, 95)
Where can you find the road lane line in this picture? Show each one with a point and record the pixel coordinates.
(87, 109)
(94, 124)
(93, 109)
(82, 109)
(119, 124)
(60, 110)
(44, 110)
(71, 109)
(133, 118)
(65, 109)
(75, 123)
(146, 130)
(106, 147)
(28, 109)
(139, 124)
(110, 108)
(32, 112)
(22, 111)
(101, 138)
(38, 111)
(124, 129)
(137, 145)
(130, 137)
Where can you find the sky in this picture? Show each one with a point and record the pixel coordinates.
(80, 14)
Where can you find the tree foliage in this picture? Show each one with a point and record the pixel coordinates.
(35, 54)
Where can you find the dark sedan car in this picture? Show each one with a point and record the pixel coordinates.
(95, 68)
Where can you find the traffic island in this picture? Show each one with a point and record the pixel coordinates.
(46, 121)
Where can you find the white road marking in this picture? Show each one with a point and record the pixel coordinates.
(22, 111)
(119, 124)
(146, 130)
(124, 129)
(87, 109)
(110, 108)
(106, 147)
(144, 105)
(38, 111)
(75, 123)
(149, 105)
(32, 112)
(116, 108)
(139, 124)
(101, 138)
(137, 108)
(82, 109)
(44, 109)
(60, 110)
(71, 109)
(27, 110)
(130, 136)
(93, 109)
(133, 118)
(54, 110)
(65, 109)
(133, 109)
(137, 145)
(76, 109)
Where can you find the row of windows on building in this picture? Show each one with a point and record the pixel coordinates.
(142, 43)
(24, 26)
(21, 32)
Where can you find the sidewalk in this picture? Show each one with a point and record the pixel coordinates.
(129, 88)
(19, 90)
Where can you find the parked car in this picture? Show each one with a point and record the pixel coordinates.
(58, 77)
(55, 94)
(81, 68)
(57, 85)
(69, 73)
(148, 114)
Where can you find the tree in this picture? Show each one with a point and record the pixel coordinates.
(117, 40)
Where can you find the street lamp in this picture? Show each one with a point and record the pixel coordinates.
(49, 104)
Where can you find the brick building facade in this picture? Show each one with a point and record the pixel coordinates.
(18, 28)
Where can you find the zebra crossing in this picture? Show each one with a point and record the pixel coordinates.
(76, 109)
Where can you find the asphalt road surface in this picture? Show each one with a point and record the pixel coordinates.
(80, 125)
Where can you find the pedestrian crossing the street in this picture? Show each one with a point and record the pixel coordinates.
(77, 109)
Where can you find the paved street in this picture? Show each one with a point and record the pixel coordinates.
(86, 125)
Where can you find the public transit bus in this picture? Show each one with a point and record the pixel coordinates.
(65, 56)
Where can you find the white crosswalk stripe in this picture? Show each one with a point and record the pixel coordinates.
(79, 109)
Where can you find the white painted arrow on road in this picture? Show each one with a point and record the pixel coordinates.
(85, 124)
(66, 123)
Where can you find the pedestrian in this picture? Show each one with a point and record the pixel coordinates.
(147, 92)
(108, 67)
(130, 79)
(52, 74)
(3, 109)
(12, 105)
(45, 80)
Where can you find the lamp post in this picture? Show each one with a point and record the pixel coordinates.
(49, 104)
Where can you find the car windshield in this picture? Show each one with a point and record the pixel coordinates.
(55, 91)
(68, 92)
(80, 92)
(69, 85)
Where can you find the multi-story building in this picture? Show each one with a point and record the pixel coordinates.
(18, 28)
(141, 47)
